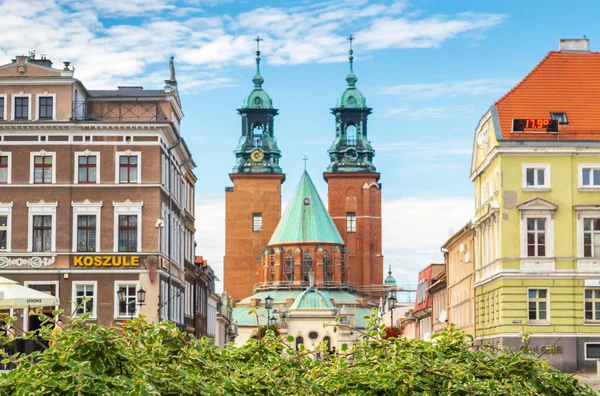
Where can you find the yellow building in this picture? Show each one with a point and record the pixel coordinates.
(536, 173)
(458, 256)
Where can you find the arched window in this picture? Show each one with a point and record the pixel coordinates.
(308, 265)
(327, 342)
(351, 135)
(327, 267)
(271, 268)
(257, 135)
(299, 341)
(288, 267)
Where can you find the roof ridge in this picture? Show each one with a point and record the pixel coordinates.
(539, 64)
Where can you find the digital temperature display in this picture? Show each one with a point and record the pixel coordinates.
(535, 124)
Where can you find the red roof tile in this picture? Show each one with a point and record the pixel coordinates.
(561, 82)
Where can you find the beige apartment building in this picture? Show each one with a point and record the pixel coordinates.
(96, 194)
(460, 267)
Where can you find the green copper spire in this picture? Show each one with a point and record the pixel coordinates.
(351, 77)
(258, 98)
(390, 280)
(306, 219)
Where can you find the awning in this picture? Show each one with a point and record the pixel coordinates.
(13, 295)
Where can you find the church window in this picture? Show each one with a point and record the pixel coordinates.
(351, 222)
(288, 268)
(271, 268)
(343, 268)
(256, 222)
(327, 267)
(327, 342)
(351, 135)
(257, 135)
(308, 265)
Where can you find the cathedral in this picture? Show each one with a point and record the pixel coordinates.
(310, 265)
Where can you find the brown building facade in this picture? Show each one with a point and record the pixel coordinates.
(96, 193)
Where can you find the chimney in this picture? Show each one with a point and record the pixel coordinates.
(575, 46)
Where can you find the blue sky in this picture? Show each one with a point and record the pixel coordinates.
(430, 69)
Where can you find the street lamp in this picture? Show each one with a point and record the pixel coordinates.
(268, 306)
(141, 299)
(391, 305)
(273, 320)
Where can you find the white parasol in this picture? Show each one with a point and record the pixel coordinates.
(13, 295)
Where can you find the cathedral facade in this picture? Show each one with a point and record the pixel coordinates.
(312, 264)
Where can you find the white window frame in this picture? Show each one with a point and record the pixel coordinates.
(37, 105)
(41, 153)
(538, 322)
(86, 153)
(128, 153)
(74, 285)
(537, 187)
(118, 284)
(585, 344)
(13, 107)
(5, 114)
(589, 321)
(9, 167)
(86, 208)
(581, 167)
(6, 210)
(538, 214)
(41, 209)
(257, 215)
(33, 283)
(354, 223)
(127, 208)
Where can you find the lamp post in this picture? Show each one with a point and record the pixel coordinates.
(141, 299)
(391, 305)
(268, 307)
(273, 320)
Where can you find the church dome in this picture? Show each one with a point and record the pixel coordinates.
(312, 299)
(351, 98)
(258, 98)
(390, 280)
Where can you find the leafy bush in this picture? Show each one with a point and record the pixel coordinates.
(157, 359)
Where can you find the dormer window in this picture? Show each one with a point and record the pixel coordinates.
(306, 201)
(560, 116)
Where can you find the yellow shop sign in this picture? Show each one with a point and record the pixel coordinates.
(106, 261)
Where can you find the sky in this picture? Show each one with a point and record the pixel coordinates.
(429, 69)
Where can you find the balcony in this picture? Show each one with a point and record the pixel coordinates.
(118, 111)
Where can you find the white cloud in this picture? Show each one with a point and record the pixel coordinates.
(108, 54)
(451, 88)
(414, 229)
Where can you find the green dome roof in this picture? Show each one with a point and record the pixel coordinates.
(390, 280)
(258, 98)
(306, 219)
(312, 299)
(351, 98)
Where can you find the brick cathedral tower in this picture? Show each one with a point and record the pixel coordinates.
(354, 193)
(253, 204)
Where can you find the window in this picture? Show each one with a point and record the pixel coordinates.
(86, 169)
(308, 266)
(351, 222)
(86, 233)
(43, 169)
(592, 351)
(189, 297)
(299, 341)
(288, 267)
(536, 176)
(21, 108)
(84, 291)
(560, 116)
(327, 267)
(128, 230)
(590, 176)
(164, 300)
(538, 305)
(3, 233)
(128, 169)
(128, 307)
(592, 304)
(46, 108)
(343, 268)
(591, 237)
(3, 108)
(536, 237)
(3, 169)
(256, 222)
(271, 277)
(42, 233)
(351, 135)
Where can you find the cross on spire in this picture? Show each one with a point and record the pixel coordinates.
(258, 40)
(351, 39)
(351, 52)
(305, 158)
(258, 80)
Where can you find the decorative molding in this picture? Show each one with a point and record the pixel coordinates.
(33, 262)
(538, 265)
(588, 265)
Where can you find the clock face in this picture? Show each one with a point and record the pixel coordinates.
(351, 155)
(257, 155)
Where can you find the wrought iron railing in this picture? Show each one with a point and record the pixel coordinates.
(118, 111)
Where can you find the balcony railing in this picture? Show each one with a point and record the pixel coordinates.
(118, 111)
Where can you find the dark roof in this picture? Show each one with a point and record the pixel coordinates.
(126, 92)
